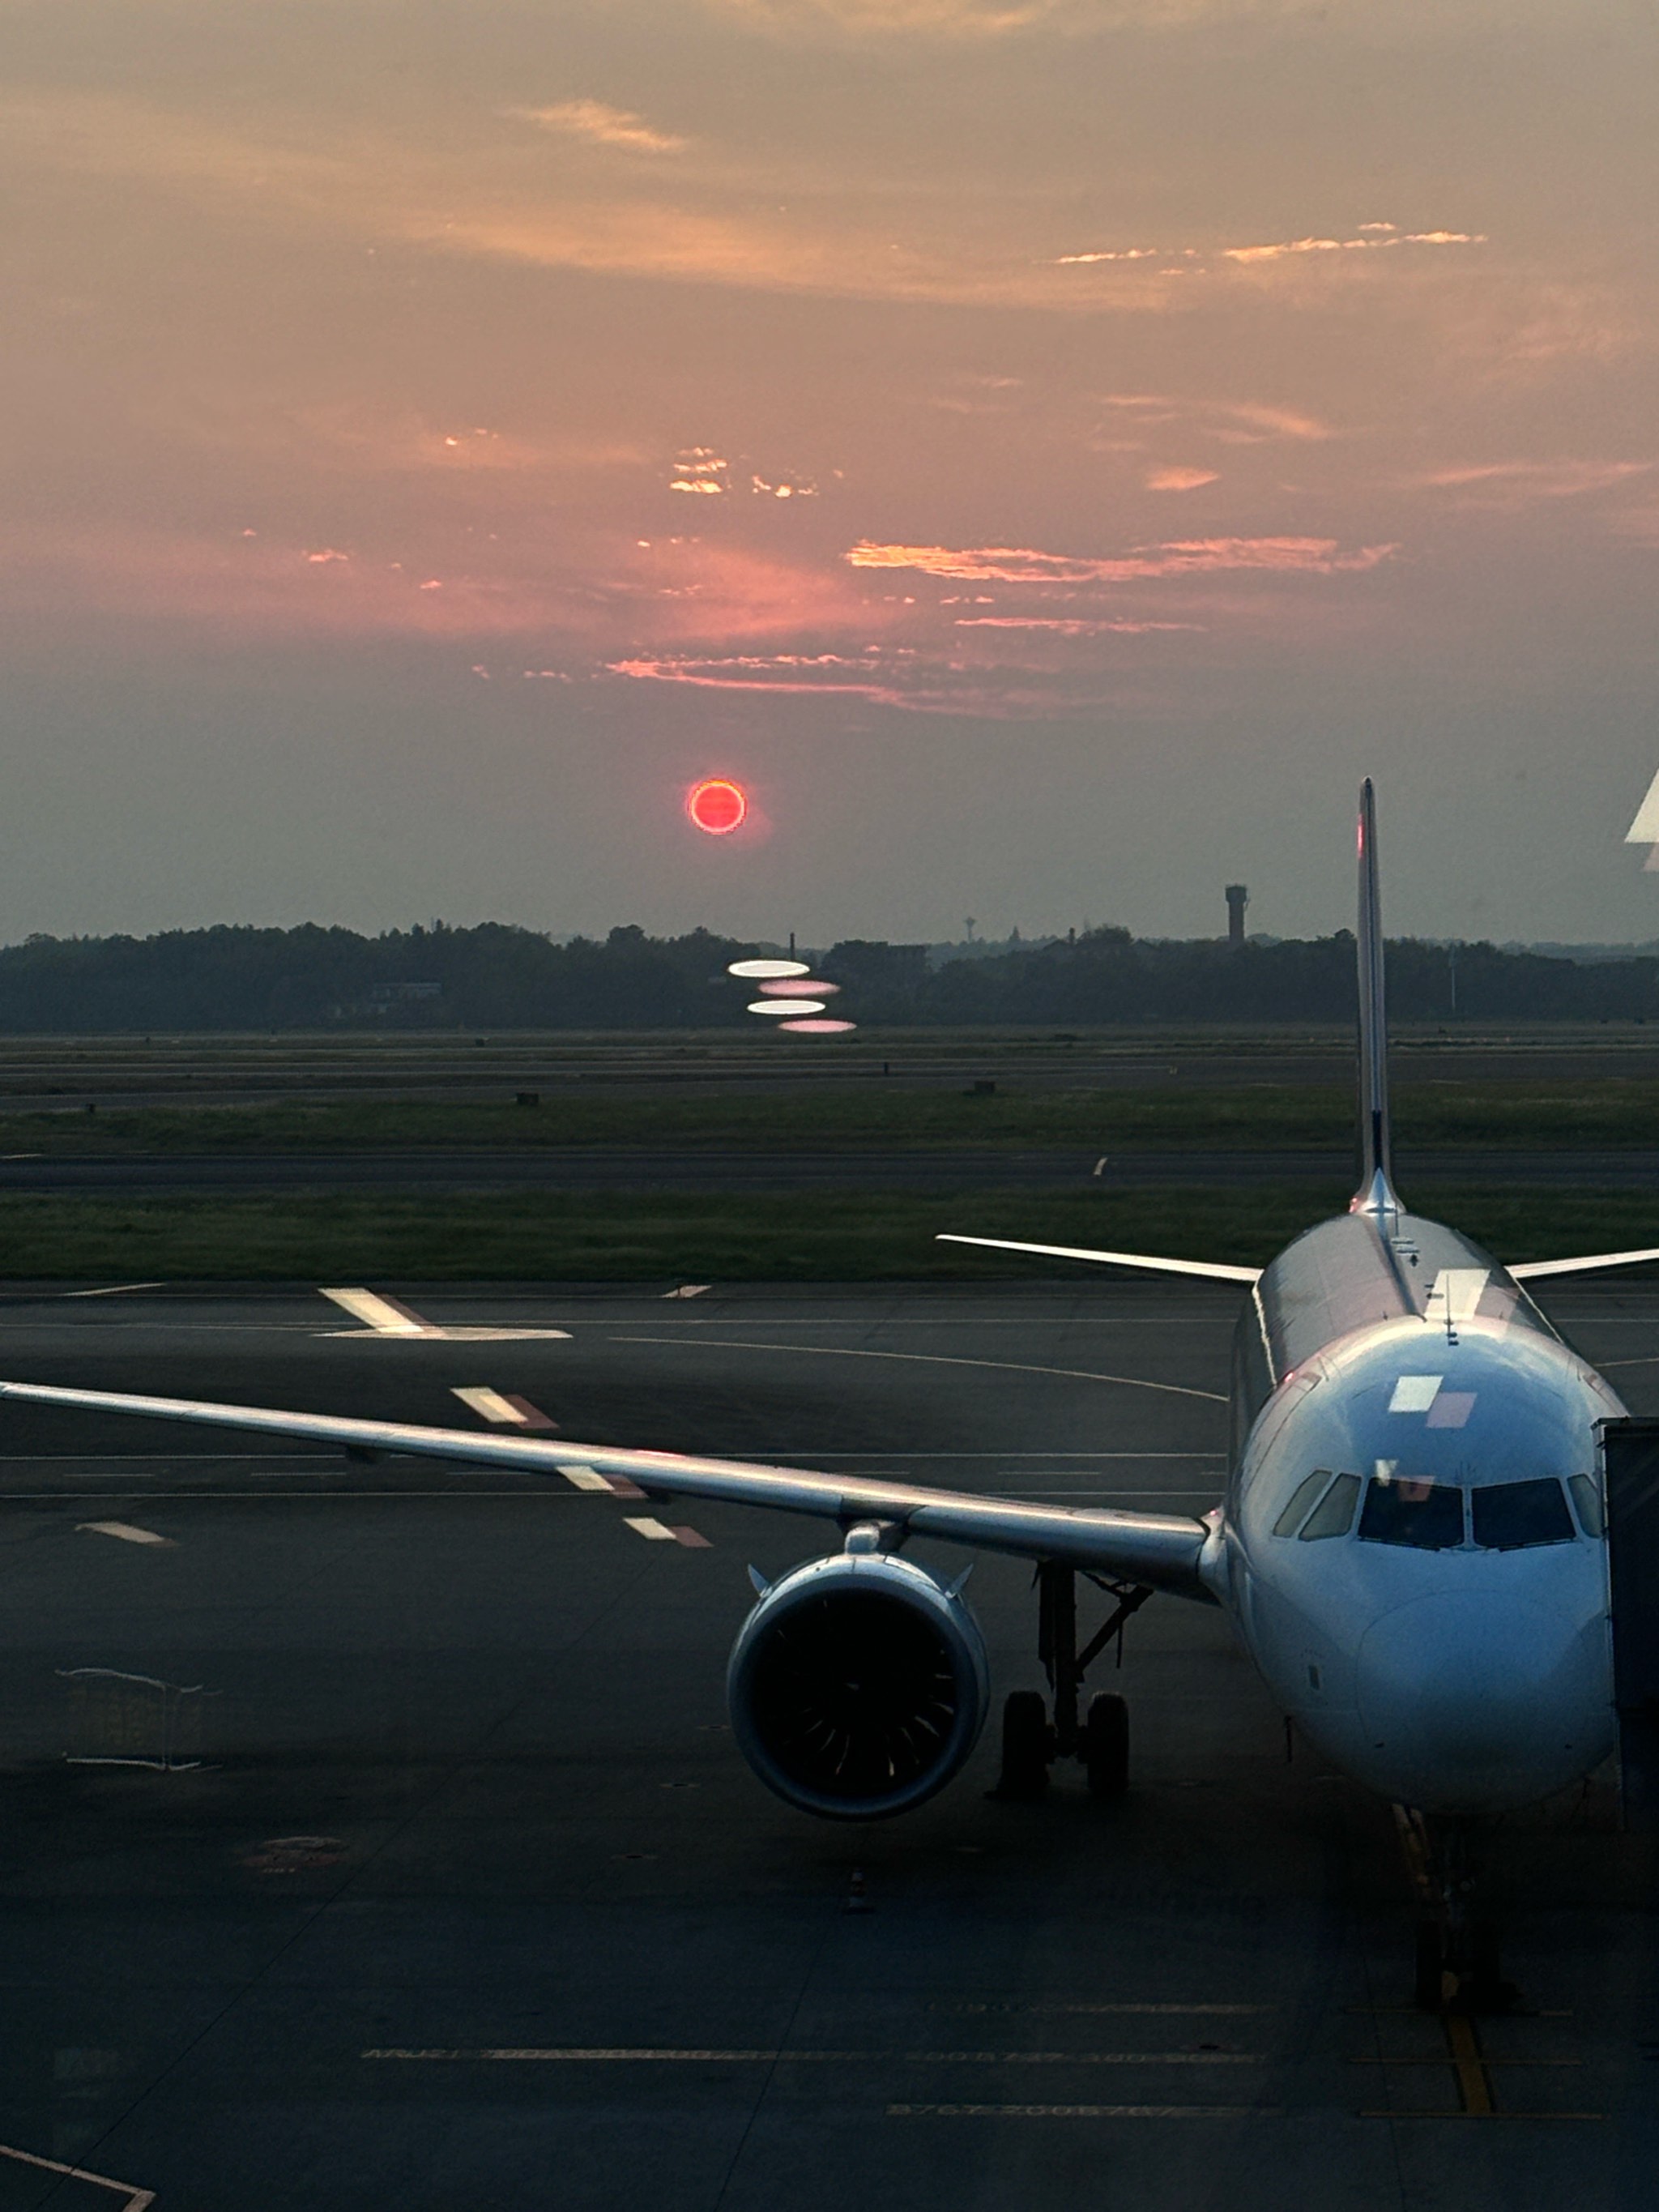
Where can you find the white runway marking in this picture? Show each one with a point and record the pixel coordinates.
(936, 1359)
(390, 1321)
(1080, 2111)
(657, 1532)
(582, 2054)
(589, 1478)
(122, 1530)
(585, 1478)
(505, 1409)
(688, 1291)
(137, 2199)
(114, 1290)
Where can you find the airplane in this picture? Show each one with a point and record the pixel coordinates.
(1410, 1544)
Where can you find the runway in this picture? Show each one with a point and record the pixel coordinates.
(689, 1168)
(470, 1903)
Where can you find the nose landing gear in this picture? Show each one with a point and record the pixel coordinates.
(1456, 1957)
(1031, 1741)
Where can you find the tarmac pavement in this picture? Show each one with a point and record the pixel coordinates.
(470, 1902)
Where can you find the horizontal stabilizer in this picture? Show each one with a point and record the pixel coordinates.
(1527, 1270)
(1217, 1268)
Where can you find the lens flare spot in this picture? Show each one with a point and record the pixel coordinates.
(817, 1028)
(783, 1007)
(716, 806)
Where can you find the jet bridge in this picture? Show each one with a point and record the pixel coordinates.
(1630, 1453)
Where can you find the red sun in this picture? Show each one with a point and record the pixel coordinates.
(717, 806)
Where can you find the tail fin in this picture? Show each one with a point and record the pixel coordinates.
(1375, 1193)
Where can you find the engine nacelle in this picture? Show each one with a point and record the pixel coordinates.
(858, 1685)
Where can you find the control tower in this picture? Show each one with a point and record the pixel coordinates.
(1238, 898)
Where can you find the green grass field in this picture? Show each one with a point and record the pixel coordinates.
(1551, 1114)
(670, 1237)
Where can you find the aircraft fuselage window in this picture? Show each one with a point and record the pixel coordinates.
(1334, 1515)
(1429, 1516)
(1510, 1515)
(1587, 1497)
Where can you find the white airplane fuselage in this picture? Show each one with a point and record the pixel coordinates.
(1411, 1544)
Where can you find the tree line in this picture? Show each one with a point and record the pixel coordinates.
(497, 977)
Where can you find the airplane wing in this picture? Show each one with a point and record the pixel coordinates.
(1157, 1548)
(1217, 1268)
(1529, 1270)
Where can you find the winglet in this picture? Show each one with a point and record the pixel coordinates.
(1375, 1195)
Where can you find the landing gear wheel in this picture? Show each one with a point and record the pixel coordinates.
(1025, 1746)
(1106, 1745)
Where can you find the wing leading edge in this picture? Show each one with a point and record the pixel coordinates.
(1156, 1548)
(1529, 1270)
(1216, 1269)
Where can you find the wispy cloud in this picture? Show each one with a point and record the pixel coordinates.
(1375, 243)
(601, 124)
(915, 683)
(1007, 564)
(1520, 483)
(1199, 260)
(1226, 421)
(701, 469)
(1069, 625)
(1179, 479)
(961, 20)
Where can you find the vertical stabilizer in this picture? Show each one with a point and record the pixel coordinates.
(1375, 1193)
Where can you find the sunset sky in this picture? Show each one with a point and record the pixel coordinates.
(1048, 450)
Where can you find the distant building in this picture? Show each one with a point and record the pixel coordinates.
(1238, 898)
(876, 964)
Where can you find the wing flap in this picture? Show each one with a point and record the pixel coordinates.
(1216, 1269)
(1161, 1549)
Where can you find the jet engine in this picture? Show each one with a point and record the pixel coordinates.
(858, 1685)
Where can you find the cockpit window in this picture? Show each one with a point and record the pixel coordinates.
(1301, 1498)
(1398, 1510)
(1510, 1515)
(1334, 1515)
(1592, 1518)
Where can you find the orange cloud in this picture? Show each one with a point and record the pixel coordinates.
(1518, 484)
(1179, 479)
(1199, 260)
(1278, 249)
(1068, 625)
(601, 125)
(1005, 564)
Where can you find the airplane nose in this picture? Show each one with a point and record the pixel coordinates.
(1475, 1707)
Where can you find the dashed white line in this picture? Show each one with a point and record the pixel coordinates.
(123, 1530)
(390, 1321)
(589, 1478)
(1080, 2112)
(506, 1409)
(648, 2054)
(932, 1359)
(585, 1478)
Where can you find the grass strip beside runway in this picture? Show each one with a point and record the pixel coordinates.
(1547, 1114)
(756, 1236)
